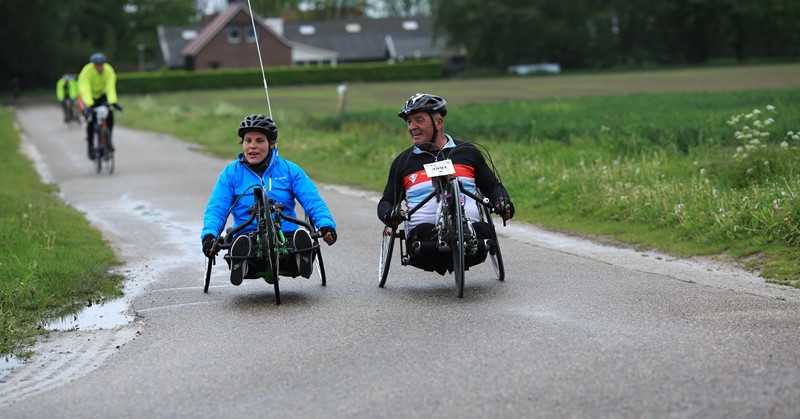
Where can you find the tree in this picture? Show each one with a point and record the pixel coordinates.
(399, 8)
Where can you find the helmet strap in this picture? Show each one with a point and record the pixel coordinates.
(435, 130)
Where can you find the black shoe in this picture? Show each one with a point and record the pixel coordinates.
(239, 251)
(304, 247)
(91, 154)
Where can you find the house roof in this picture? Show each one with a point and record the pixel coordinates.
(415, 46)
(172, 39)
(367, 39)
(219, 23)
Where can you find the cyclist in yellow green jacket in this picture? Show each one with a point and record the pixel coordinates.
(97, 85)
(67, 93)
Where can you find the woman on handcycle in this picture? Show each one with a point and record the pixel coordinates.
(260, 165)
(424, 115)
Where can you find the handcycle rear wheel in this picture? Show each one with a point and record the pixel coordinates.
(387, 246)
(496, 259)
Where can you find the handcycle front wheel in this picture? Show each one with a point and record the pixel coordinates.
(387, 247)
(457, 246)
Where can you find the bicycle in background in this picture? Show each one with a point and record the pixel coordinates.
(72, 113)
(103, 146)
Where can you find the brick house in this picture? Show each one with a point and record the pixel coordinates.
(228, 41)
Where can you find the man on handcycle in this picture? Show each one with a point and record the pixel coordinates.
(284, 181)
(97, 85)
(424, 115)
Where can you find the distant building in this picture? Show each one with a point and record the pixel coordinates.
(365, 40)
(228, 41)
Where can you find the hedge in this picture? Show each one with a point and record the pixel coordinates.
(175, 80)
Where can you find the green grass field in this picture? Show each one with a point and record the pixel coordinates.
(53, 261)
(647, 158)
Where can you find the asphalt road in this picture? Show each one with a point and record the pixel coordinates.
(576, 330)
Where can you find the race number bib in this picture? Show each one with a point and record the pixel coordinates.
(439, 168)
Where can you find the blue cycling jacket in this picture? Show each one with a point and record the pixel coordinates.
(285, 182)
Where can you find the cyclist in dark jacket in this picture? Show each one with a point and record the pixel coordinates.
(424, 115)
(259, 164)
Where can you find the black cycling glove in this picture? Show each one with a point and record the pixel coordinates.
(501, 203)
(328, 229)
(208, 245)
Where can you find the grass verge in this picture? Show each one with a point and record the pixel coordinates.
(54, 262)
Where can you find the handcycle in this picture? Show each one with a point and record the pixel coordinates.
(269, 242)
(103, 149)
(455, 234)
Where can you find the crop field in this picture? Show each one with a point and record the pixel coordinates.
(692, 162)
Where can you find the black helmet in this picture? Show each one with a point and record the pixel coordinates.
(423, 102)
(97, 58)
(259, 123)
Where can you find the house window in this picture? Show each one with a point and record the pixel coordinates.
(307, 30)
(410, 25)
(234, 35)
(249, 34)
(352, 28)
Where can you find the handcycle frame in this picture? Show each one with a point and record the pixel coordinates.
(454, 231)
(269, 241)
(103, 156)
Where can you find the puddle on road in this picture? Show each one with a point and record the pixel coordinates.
(7, 365)
(106, 315)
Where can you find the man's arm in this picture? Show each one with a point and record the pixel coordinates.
(487, 182)
(111, 84)
(393, 193)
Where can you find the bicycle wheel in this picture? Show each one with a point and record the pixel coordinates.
(269, 239)
(110, 162)
(387, 246)
(317, 253)
(495, 259)
(457, 246)
(320, 266)
(108, 155)
(98, 159)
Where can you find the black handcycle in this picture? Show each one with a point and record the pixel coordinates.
(269, 242)
(455, 234)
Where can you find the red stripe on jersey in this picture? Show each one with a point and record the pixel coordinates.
(465, 171)
(419, 177)
(415, 178)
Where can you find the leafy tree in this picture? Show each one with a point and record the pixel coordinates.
(142, 19)
(400, 8)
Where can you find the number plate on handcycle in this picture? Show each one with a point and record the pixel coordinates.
(439, 168)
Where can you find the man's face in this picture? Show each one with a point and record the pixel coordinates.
(99, 68)
(420, 127)
(256, 146)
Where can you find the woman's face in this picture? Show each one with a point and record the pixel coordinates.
(256, 146)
